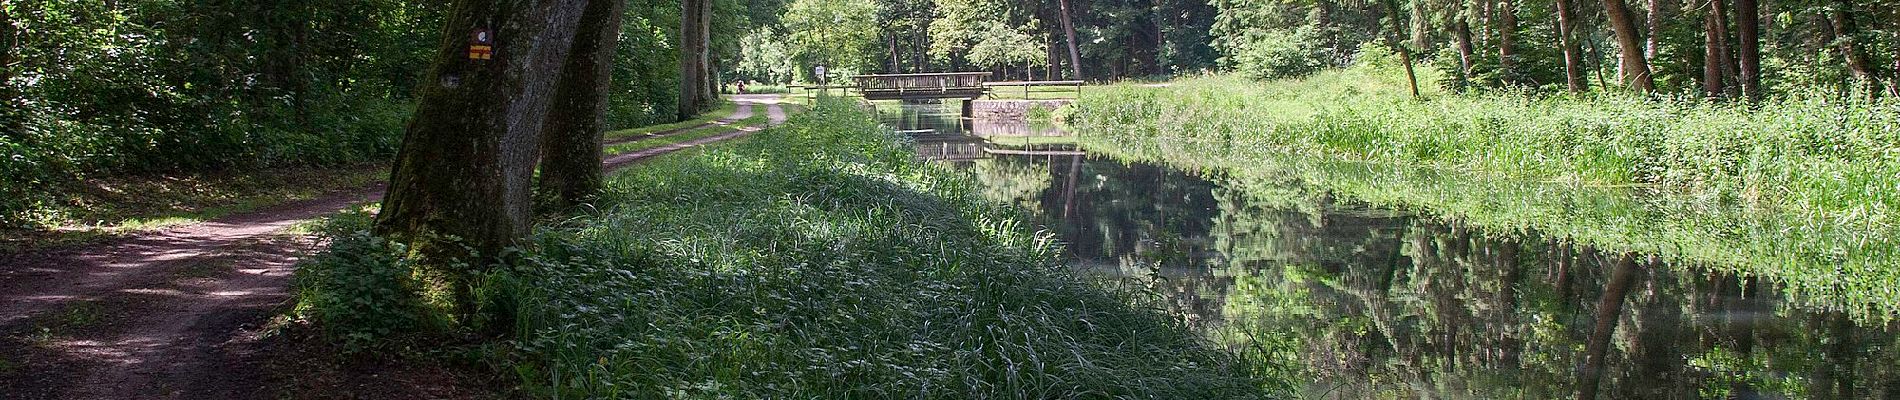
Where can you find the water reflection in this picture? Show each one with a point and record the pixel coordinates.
(1363, 302)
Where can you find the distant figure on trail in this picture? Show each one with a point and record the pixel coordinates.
(818, 73)
(741, 86)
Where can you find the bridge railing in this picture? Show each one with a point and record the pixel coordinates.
(907, 82)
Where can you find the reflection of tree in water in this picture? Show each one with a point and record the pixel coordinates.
(1371, 304)
(1016, 181)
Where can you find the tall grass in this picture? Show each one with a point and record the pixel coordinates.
(1800, 189)
(819, 259)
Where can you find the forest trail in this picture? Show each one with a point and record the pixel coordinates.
(177, 313)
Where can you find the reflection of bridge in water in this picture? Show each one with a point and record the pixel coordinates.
(942, 134)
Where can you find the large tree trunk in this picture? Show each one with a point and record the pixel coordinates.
(1507, 42)
(690, 49)
(1635, 66)
(1573, 54)
(1715, 57)
(571, 141)
(1848, 41)
(1748, 30)
(1609, 309)
(469, 152)
(1068, 29)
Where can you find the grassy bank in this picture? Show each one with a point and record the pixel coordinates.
(1836, 159)
(815, 260)
(1802, 191)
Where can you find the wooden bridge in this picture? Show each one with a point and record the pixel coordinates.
(953, 85)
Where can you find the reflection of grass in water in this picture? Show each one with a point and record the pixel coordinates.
(1802, 190)
(1822, 263)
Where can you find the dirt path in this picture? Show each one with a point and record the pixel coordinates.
(743, 111)
(175, 314)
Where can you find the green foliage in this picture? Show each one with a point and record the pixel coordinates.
(646, 71)
(363, 291)
(765, 58)
(101, 87)
(841, 34)
(821, 260)
(1275, 53)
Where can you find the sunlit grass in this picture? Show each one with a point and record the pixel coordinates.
(821, 260)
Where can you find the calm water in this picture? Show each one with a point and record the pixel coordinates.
(1363, 302)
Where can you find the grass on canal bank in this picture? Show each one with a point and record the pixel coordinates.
(1802, 191)
(818, 259)
(1836, 159)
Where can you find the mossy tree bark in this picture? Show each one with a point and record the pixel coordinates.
(571, 141)
(470, 149)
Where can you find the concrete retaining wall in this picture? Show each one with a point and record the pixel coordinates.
(1011, 109)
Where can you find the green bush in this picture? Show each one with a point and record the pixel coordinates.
(363, 291)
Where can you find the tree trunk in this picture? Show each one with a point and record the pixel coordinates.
(1635, 67)
(1461, 29)
(1714, 50)
(1748, 30)
(1507, 42)
(690, 49)
(571, 141)
(709, 76)
(1068, 28)
(1848, 41)
(1609, 309)
(1405, 55)
(1573, 54)
(469, 152)
(1658, 12)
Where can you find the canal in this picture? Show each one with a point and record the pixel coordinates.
(1355, 301)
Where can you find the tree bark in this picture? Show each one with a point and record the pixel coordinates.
(1573, 54)
(1748, 31)
(468, 154)
(1068, 28)
(1405, 55)
(1461, 29)
(1507, 42)
(709, 76)
(1714, 50)
(1848, 41)
(571, 141)
(1658, 12)
(690, 49)
(1609, 309)
(1635, 66)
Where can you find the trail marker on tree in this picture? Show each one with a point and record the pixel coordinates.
(481, 45)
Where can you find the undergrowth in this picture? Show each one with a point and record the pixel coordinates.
(818, 259)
